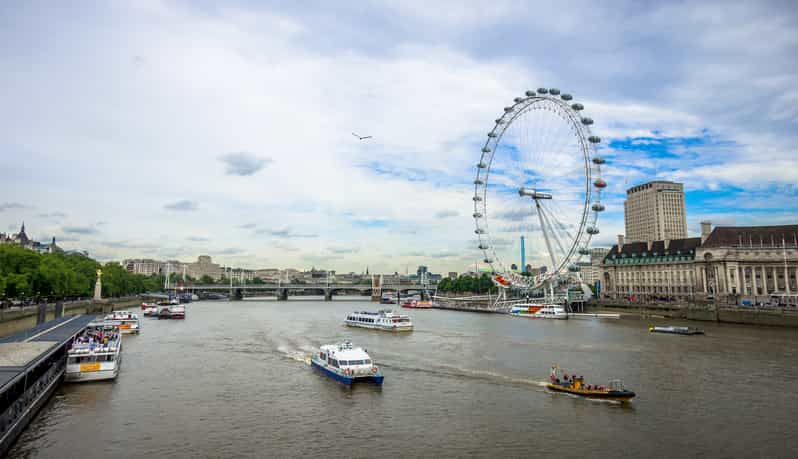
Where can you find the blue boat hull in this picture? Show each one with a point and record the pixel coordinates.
(347, 380)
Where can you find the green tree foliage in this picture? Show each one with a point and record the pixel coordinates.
(28, 274)
(467, 284)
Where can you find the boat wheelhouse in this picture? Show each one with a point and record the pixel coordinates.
(384, 319)
(346, 364)
(128, 321)
(539, 311)
(96, 354)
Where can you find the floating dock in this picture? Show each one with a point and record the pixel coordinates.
(32, 365)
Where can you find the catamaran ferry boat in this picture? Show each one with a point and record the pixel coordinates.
(539, 311)
(346, 364)
(96, 354)
(385, 319)
(128, 322)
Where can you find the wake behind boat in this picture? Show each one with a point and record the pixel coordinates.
(346, 364)
(384, 319)
(539, 311)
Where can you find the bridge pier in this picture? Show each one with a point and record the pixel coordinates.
(328, 294)
(282, 294)
(237, 295)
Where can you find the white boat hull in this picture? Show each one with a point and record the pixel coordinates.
(392, 328)
(85, 376)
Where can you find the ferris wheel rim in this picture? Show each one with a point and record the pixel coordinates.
(590, 161)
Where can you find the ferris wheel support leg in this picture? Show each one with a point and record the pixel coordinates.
(545, 235)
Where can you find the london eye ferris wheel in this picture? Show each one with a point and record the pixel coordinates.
(538, 176)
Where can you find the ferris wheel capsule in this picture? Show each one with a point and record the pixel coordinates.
(597, 207)
(491, 134)
(478, 182)
(566, 97)
(488, 260)
(477, 215)
(587, 121)
(598, 160)
(483, 247)
(508, 109)
(577, 106)
(482, 165)
(584, 251)
(573, 268)
(530, 93)
(477, 198)
(518, 99)
(594, 139)
(592, 230)
(554, 92)
(542, 91)
(499, 121)
(600, 183)
(485, 149)
(479, 231)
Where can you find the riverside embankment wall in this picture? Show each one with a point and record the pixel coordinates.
(18, 319)
(775, 317)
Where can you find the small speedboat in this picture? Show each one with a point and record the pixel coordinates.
(575, 385)
(676, 330)
(151, 311)
(346, 364)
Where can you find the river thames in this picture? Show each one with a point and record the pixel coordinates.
(232, 380)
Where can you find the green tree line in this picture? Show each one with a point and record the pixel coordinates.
(28, 274)
(467, 284)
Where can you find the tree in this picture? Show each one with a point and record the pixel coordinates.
(206, 279)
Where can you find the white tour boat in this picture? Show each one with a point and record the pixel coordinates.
(539, 311)
(95, 354)
(346, 364)
(385, 319)
(128, 322)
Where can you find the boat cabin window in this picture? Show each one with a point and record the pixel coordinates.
(334, 363)
(367, 362)
(322, 356)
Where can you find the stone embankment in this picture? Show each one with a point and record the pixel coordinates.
(779, 317)
(17, 319)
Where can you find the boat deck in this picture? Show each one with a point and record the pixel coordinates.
(21, 351)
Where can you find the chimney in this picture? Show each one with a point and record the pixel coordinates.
(620, 242)
(706, 228)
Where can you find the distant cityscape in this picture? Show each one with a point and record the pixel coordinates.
(655, 260)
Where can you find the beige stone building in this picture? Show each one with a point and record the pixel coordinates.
(204, 266)
(650, 271)
(655, 211)
(748, 262)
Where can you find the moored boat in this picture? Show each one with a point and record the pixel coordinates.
(164, 313)
(150, 311)
(96, 354)
(417, 304)
(676, 330)
(539, 311)
(575, 385)
(177, 312)
(384, 319)
(346, 364)
(128, 322)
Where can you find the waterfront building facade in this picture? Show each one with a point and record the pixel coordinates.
(591, 270)
(654, 270)
(655, 211)
(204, 266)
(22, 239)
(748, 262)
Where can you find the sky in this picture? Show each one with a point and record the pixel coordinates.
(171, 129)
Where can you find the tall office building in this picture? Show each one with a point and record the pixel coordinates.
(655, 211)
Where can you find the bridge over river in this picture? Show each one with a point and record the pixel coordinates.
(328, 289)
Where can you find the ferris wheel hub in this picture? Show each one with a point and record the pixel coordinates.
(533, 193)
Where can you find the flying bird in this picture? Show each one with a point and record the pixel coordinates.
(361, 138)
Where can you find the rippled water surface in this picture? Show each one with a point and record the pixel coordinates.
(233, 380)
